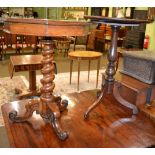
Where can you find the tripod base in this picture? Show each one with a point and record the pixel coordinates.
(115, 92)
(49, 116)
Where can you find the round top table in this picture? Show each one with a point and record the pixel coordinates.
(109, 85)
(84, 55)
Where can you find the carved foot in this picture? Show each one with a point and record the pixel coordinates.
(62, 104)
(30, 108)
(53, 118)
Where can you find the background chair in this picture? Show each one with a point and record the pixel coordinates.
(31, 43)
(11, 43)
(81, 41)
(62, 45)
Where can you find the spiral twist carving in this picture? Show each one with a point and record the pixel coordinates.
(48, 77)
(49, 106)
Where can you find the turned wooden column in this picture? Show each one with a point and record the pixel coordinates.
(112, 57)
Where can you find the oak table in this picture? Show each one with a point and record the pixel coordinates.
(84, 55)
(113, 127)
(29, 63)
(48, 106)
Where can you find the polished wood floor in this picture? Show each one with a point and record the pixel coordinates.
(110, 125)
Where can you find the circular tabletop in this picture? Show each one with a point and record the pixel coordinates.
(84, 55)
(117, 21)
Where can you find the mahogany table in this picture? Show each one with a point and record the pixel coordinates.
(48, 106)
(84, 55)
(29, 63)
(108, 83)
(113, 127)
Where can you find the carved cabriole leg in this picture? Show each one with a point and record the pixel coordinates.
(53, 118)
(49, 104)
(31, 106)
(99, 99)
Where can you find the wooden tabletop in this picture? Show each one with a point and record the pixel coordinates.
(117, 21)
(105, 128)
(26, 59)
(45, 27)
(24, 63)
(84, 55)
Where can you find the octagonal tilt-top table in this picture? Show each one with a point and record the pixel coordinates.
(48, 106)
(109, 85)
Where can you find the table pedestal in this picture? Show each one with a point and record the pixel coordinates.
(49, 106)
(32, 91)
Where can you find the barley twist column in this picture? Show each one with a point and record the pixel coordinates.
(48, 77)
(50, 106)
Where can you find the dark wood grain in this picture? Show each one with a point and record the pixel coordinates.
(105, 128)
(134, 90)
(108, 83)
(45, 27)
(117, 20)
(29, 63)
